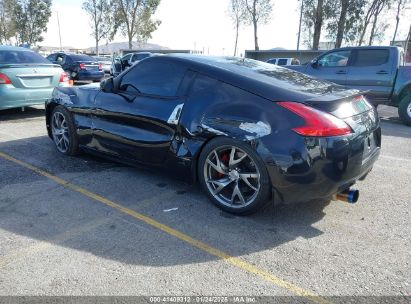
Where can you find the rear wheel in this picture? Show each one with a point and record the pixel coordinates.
(63, 131)
(233, 176)
(404, 110)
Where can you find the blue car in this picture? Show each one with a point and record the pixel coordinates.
(79, 66)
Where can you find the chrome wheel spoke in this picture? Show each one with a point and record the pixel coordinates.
(245, 176)
(237, 193)
(219, 166)
(220, 183)
(234, 161)
(60, 131)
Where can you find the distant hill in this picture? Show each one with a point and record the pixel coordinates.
(115, 47)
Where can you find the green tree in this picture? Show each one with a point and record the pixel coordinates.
(345, 20)
(135, 18)
(31, 17)
(371, 13)
(400, 8)
(238, 15)
(315, 15)
(7, 20)
(258, 12)
(102, 20)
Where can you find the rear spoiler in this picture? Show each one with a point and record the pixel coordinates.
(337, 95)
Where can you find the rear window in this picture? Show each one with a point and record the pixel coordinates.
(371, 57)
(82, 58)
(7, 57)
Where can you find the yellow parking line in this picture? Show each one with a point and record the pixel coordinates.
(182, 236)
(44, 245)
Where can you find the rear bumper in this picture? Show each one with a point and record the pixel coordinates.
(88, 75)
(322, 167)
(12, 97)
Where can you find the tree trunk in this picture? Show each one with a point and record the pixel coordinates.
(130, 42)
(374, 24)
(256, 47)
(367, 21)
(318, 24)
(397, 19)
(341, 23)
(97, 52)
(236, 37)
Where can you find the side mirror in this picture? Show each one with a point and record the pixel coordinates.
(314, 63)
(107, 85)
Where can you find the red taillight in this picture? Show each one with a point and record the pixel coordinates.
(317, 123)
(4, 79)
(82, 66)
(100, 66)
(64, 77)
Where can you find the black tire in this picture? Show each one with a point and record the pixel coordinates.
(259, 198)
(404, 110)
(72, 148)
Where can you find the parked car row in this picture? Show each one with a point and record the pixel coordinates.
(79, 66)
(120, 64)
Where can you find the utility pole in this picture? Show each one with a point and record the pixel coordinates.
(299, 27)
(58, 23)
(407, 43)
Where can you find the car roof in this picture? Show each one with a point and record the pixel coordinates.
(264, 79)
(368, 47)
(13, 48)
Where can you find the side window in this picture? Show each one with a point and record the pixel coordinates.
(272, 61)
(126, 57)
(153, 78)
(51, 57)
(370, 58)
(335, 59)
(60, 58)
(282, 61)
(202, 83)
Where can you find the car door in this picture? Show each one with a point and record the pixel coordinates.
(332, 66)
(138, 121)
(371, 70)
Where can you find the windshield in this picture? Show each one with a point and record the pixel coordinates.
(14, 56)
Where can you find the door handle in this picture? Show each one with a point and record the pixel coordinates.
(341, 72)
(382, 72)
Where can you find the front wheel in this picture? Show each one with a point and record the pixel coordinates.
(233, 176)
(404, 110)
(63, 131)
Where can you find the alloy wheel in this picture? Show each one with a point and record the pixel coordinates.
(59, 131)
(231, 176)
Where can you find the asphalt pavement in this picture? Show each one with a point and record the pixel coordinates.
(87, 226)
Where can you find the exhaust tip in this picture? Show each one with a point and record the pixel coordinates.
(350, 196)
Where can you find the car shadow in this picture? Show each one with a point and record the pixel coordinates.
(395, 128)
(19, 113)
(35, 207)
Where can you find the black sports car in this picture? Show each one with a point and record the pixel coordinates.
(248, 131)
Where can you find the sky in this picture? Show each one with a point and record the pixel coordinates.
(196, 25)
